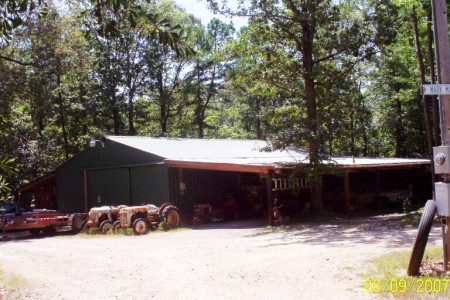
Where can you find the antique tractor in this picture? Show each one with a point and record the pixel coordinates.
(145, 217)
(103, 217)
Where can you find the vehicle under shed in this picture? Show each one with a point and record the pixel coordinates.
(213, 179)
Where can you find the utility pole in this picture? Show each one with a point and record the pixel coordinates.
(442, 48)
(442, 154)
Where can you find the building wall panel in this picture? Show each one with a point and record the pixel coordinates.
(149, 184)
(108, 187)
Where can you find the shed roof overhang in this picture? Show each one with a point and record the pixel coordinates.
(36, 183)
(219, 166)
(259, 166)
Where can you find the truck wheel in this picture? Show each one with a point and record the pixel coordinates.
(171, 217)
(426, 221)
(116, 226)
(34, 231)
(49, 230)
(77, 223)
(105, 227)
(140, 226)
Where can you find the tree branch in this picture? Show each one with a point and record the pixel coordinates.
(332, 55)
(18, 61)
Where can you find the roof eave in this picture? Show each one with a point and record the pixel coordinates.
(219, 166)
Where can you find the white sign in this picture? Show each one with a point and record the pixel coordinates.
(436, 89)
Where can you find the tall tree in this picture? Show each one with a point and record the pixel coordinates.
(209, 68)
(316, 34)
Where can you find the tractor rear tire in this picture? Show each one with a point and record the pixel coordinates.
(77, 223)
(171, 217)
(105, 227)
(84, 227)
(140, 226)
(426, 221)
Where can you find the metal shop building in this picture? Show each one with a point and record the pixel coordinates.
(230, 178)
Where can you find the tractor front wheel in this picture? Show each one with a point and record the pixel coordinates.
(106, 226)
(116, 226)
(140, 226)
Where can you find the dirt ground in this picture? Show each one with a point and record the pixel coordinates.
(238, 260)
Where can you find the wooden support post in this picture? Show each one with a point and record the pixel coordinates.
(347, 193)
(85, 181)
(269, 190)
(377, 187)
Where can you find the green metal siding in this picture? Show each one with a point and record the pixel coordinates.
(108, 187)
(104, 179)
(69, 190)
(150, 184)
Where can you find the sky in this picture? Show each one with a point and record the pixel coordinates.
(199, 8)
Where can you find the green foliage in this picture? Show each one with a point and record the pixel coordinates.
(111, 17)
(14, 13)
(7, 170)
(127, 68)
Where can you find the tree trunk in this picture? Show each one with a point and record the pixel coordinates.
(198, 114)
(311, 109)
(364, 130)
(163, 119)
(116, 118)
(398, 130)
(259, 134)
(131, 129)
(62, 117)
(131, 91)
(352, 134)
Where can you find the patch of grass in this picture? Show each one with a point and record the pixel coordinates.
(179, 228)
(387, 277)
(10, 284)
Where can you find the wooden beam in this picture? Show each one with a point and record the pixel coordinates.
(347, 199)
(215, 166)
(269, 187)
(377, 187)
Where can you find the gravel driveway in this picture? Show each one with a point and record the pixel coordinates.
(239, 260)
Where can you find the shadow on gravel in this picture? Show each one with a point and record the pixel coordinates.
(16, 236)
(389, 229)
(233, 224)
(386, 229)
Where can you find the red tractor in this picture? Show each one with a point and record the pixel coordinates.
(103, 217)
(145, 217)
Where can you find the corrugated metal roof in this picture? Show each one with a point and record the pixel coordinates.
(177, 148)
(252, 153)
